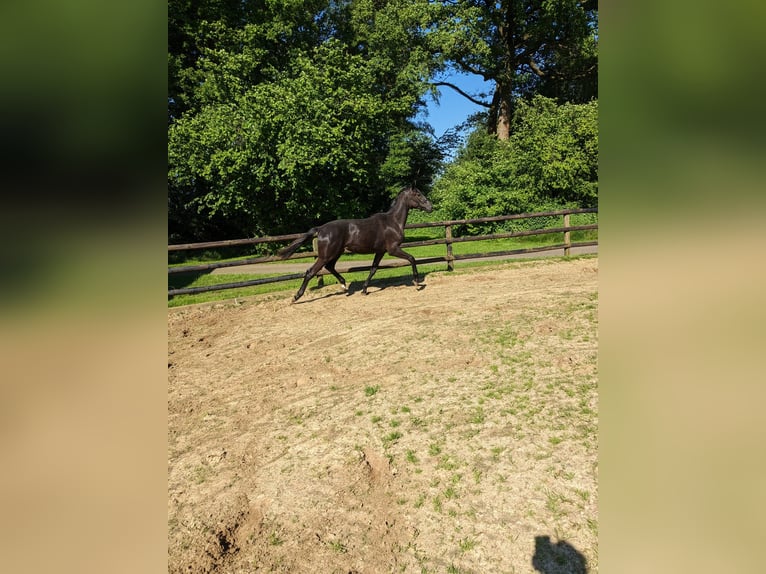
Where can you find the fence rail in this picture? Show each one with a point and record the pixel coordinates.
(448, 240)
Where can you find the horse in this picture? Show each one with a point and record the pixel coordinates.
(379, 234)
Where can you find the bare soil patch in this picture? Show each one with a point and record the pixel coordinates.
(448, 429)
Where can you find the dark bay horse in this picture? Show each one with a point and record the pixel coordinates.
(379, 234)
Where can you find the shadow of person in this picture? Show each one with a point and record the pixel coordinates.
(558, 558)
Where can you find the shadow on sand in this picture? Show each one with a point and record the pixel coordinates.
(355, 287)
(558, 558)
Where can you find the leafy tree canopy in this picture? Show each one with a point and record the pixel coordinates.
(550, 162)
(295, 114)
(525, 47)
(285, 113)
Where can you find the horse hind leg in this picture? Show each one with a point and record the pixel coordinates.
(330, 266)
(313, 270)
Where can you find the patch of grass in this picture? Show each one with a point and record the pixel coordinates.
(438, 504)
(392, 437)
(466, 544)
(370, 391)
(567, 334)
(447, 463)
(417, 422)
(411, 457)
(450, 493)
(554, 502)
(275, 540)
(420, 500)
(434, 449)
(202, 472)
(478, 417)
(338, 546)
(583, 494)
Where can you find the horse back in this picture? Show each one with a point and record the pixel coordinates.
(370, 235)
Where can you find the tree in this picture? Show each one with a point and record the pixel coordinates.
(293, 114)
(549, 162)
(525, 46)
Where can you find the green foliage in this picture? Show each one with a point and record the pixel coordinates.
(550, 162)
(413, 159)
(289, 116)
(556, 150)
(290, 113)
(526, 47)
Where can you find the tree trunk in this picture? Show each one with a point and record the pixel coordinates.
(500, 113)
(503, 99)
(503, 128)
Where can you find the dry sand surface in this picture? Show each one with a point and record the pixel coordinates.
(447, 429)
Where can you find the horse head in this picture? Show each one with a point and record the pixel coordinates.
(415, 199)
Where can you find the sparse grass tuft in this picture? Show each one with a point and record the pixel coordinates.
(392, 437)
(478, 416)
(338, 546)
(275, 540)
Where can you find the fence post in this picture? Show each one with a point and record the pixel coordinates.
(567, 236)
(315, 248)
(448, 238)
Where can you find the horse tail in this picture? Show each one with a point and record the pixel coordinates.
(293, 247)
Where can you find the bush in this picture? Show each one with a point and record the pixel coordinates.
(549, 163)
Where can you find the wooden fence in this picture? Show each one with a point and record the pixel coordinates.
(448, 240)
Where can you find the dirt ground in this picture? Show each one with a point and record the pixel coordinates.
(448, 429)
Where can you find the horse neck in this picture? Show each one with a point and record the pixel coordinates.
(399, 211)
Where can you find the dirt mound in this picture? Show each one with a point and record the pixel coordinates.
(445, 429)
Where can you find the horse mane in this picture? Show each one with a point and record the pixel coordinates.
(401, 191)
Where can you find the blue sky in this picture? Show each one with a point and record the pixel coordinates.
(453, 109)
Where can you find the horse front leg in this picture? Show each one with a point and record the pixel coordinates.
(373, 269)
(399, 252)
